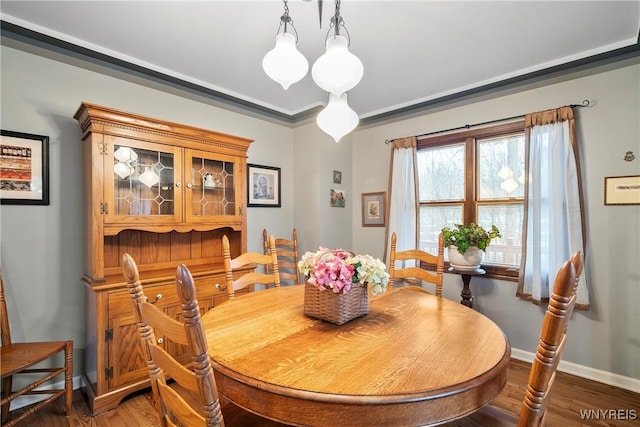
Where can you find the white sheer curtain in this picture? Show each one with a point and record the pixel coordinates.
(403, 195)
(554, 226)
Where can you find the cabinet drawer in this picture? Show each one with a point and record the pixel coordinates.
(209, 289)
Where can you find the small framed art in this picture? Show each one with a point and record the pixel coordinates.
(338, 198)
(24, 168)
(337, 177)
(263, 186)
(373, 209)
(622, 190)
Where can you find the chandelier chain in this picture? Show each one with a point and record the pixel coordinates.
(337, 22)
(285, 20)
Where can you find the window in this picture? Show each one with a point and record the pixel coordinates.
(475, 176)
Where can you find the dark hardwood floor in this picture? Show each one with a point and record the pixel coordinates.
(606, 405)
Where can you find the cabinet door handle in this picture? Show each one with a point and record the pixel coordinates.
(189, 185)
(158, 298)
(160, 340)
(178, 184)
(222, 288)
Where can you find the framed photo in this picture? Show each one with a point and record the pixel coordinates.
(622, 190)
(263, 186)
(373, 209)
(337, 177)
(338, 199)
(24, 168)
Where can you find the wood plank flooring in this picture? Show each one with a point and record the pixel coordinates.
(571, 395)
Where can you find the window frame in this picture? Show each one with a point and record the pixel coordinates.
(469, 138)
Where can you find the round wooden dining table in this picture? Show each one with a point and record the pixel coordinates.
(414, 359)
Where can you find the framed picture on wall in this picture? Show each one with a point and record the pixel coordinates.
(263, 186)
(24, 168)
(338, 198)
(373, 209)
(622, 190)
(337, 177)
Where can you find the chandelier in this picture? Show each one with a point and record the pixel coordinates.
(337, 71)
(284, 64)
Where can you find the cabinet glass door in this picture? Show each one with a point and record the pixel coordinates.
(145, 177)
(212, 184)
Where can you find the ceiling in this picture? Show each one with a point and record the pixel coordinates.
(414, 52)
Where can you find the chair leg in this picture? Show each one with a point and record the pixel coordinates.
(6, 391)
(68, 377)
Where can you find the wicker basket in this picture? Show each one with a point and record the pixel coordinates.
(336, 308)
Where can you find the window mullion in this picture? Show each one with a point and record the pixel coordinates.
(469, 210)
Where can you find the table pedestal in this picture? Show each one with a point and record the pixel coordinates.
(467, 296)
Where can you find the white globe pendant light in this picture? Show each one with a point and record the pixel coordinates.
(337, 119)
(123, 170)
(149, 177)
(338, 70)
(509, 185)
(125, 154)
(284, 64)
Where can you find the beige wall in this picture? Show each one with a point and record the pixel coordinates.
(608, 337)
(41, 246)
(41, 251)
(316, 157)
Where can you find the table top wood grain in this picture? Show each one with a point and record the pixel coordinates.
(415, 359)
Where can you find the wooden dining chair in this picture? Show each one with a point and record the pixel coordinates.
(578, 261)
(19, 358)
(183, 395)
(288, 257)
(249, 280)
(415, 275)
(553, 336)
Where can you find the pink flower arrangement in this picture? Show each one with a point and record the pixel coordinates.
(338, 270)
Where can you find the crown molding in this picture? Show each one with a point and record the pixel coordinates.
(29, 40)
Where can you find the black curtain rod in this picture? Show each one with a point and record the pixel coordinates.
(585, 103)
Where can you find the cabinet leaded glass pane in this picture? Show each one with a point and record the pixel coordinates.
(143, 182)
(213, 191)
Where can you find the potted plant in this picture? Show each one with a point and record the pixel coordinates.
(467, 243)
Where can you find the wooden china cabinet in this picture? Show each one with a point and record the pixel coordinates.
(165, 193)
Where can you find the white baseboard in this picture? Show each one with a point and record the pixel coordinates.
(30, 399)
(616, 380)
